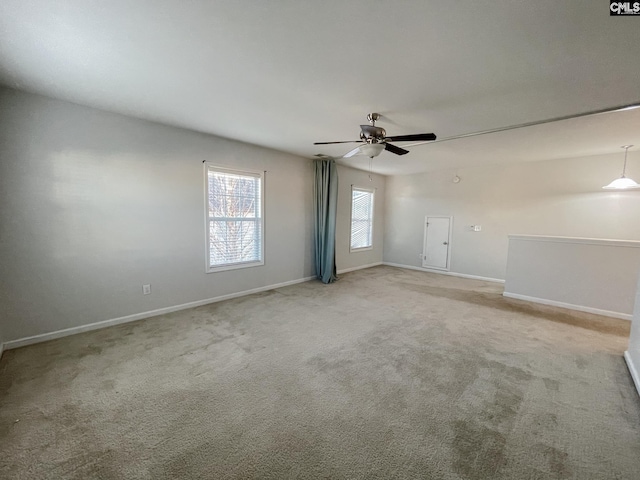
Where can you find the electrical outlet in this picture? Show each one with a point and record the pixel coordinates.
(477, 228)
(146, 289)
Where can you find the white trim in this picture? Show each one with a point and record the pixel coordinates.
(43, 337)
(372, 191)
(360, 249)
(632, 370)
(234, 266)
(208, 166)
(361, 267)
(577, 240)
(442, 272)
(570, 306)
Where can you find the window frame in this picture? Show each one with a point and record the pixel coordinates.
(371, 191)
(208, 166)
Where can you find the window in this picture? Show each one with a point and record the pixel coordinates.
(234, 218)
(361, 219)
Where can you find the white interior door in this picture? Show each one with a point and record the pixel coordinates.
(437, 237)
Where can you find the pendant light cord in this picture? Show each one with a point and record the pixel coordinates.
(624, 166)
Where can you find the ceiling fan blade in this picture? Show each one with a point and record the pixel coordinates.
(351, 153)
(418, 137)
(330, 143)
(394, 149)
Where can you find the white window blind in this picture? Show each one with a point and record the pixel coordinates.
(361, 218)
(234, 218)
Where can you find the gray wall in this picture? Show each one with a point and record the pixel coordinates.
(558, 197)
(346, 260)
(96, 204)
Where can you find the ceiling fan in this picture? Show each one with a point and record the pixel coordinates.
(374, 139)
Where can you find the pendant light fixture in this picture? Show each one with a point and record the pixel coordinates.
(623, 183)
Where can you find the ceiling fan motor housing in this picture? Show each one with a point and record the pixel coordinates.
(372, 133)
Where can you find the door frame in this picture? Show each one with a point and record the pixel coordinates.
(424, 242)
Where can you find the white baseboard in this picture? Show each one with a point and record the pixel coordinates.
(570, 306)
(443, 272)
(352, 269)
(632, 370)
(43, 337)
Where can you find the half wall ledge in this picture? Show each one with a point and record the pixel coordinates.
(587, 274)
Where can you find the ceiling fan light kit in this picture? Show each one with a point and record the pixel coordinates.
(623, 183)
(374, 140)
(371, 149)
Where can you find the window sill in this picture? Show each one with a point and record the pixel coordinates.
(362, 249)
(235, 266)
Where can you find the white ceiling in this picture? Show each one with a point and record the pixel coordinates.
(286, 73)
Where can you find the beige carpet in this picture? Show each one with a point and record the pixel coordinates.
(388, 373)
